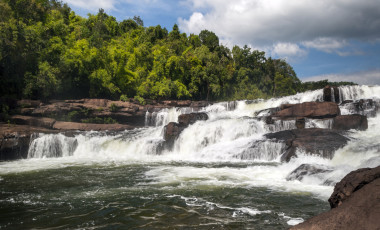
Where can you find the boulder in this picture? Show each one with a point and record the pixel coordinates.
(309, 110)
(174, 129)
(306, 170)
(351, 183)
(322, 142)
(43, 122)
(28, 103)
(64, 126)
(15, 139)
(191, 118)
(300, 122)
(347, 122)
(331, 93)
(199, 104)
(355, 203)
(267, 112)
(366, 107)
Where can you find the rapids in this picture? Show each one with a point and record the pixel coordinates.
(221, 172)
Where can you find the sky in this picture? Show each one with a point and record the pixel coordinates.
(338, 40)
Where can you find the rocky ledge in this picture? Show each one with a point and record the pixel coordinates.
(323, 142)
(354, 203)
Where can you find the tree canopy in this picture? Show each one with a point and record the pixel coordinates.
(47, 51)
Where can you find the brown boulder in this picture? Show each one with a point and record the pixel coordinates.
(15, 139)
(331, 93)
(171, 133)
(300, 122)
(309, 110)
(352, 182)
(33, 121)
(354, 121)
(355, 203)
(323, 142)
(191, 118)
(64, 126)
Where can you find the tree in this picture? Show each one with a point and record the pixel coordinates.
(209, 39)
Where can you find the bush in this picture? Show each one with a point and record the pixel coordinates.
(124, 98)
(114, 107)
(140, 100)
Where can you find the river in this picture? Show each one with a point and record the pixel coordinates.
(215, 177)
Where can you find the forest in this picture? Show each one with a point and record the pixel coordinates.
(47, 51)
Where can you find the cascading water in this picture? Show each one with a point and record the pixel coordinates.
(220, 172)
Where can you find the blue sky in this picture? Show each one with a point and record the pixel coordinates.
(337, 40)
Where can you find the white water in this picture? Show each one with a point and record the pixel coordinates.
(232, 135)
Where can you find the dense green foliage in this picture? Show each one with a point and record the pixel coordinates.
(47, 51)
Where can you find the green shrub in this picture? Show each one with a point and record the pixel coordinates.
(140, 100)
(114, 107)
(123, 97)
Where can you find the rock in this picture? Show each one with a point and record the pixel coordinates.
(323, 142)
(306, 170)
(267, 112)
(191, 118)
(171, 133)
(347, 122)
(64, 126)
(199, 104)
(331, 93)
(309, 110)
(355, 203)
(28, 103)
(33, 121)
(366, 107)
(96, 102)
(300, 122)
(174, 129)
(352, 182)
(15, 139)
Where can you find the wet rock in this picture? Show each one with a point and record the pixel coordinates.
(354, 202)
(351, 183)
(300, 122)
(171, 133)
(306, 170)
(191, 118)
(33, 121)
(174, 129)
(15, 139)
(199, 104)
(366, 107)
(65, 126)
(309, 110)
(347, 122)
(331, 93)
(267, 112)
(322, 142)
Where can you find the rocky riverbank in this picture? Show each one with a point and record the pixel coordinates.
(28, 117)
(354, 203)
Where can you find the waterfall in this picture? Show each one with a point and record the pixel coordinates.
(234, 134)
(52, 145)
(332, 94)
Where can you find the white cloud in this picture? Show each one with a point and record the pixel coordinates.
(328, 45)
(93, 5)
(363, 78)
(325, 25)
(288, 50)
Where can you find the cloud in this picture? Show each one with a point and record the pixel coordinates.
(325, 25)
(371, 77)
(328, 45)
(93, 5)
(288, 50)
